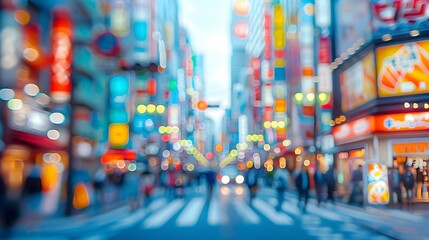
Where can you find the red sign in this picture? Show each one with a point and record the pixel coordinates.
(355, 128)
(324, 50)
(267, 38)
(391, 12)
(382, 123)
(61, 37)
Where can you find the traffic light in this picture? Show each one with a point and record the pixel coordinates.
(202, 105)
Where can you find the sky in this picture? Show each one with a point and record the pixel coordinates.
(208, 25)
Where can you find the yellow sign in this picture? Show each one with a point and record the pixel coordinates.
(403, 69)
(279, 32)
(118, 134)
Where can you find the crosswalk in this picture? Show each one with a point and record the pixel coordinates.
(189, 212)
(195, 210)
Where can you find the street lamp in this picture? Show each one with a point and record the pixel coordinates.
(315, 99)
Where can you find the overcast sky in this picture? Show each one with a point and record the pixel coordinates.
(208, 24)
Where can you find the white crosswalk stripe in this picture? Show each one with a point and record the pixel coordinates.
(160, 218)
(327, 214)
(191, 213)
(215, 216)
(247, 214)
(278, 218)
(133, 219)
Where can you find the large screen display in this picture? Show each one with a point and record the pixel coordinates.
(352, 23)
(358, 83)
(402, 69)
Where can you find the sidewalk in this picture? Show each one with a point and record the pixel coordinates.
(89, 220)
(406, 223)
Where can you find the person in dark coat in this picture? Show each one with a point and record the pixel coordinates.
(408, 178)
(320, 184)
(302, 182)
(356, 196)
(395, 183)
(252, 182)
(211, 179)
(330, 180)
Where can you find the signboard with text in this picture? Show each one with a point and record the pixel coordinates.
(378, 188)
(399, 16)
(403, 69)
(398, 122)
(358, 84)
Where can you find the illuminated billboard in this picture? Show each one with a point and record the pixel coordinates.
(353, 23)
(402, 69)
(358, 83)
(399, 16)
(378, 188)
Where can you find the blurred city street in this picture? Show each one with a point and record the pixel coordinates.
(214, 119)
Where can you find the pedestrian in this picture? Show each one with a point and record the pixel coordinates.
(330, 180)
(395, 184)
(409, 182)
(281, 181)
(210, 179)
(320, 184)
(100, 177)
(419, 180)
(302, 183)
(356, 196)
(252, 182)
(147, 184)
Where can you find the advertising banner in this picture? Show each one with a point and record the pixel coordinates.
(358, 84)
(399, 16)
(402, 69)
(378, 188)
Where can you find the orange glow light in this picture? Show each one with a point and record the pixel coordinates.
(241, 7)
(202, 105)
(80, 197)
(219, 148)
(22, 17)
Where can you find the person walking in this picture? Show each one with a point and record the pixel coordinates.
(281, 180)
(252, 182)
(320, 184)
(395, 184)
(211, 179)
(409, 182)
(356, 196)
(303, 186)
(330, 180)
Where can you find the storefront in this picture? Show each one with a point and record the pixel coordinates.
(384, 140)
(413, 152)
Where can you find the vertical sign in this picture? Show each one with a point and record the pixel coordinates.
(378, 188)
(61, 39)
